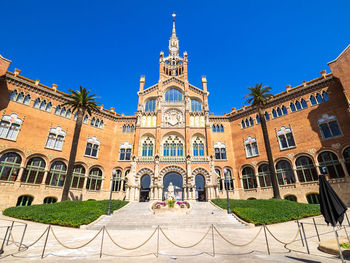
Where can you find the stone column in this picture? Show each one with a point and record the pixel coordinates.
(343, 165)
(21, 170)
(45, 176)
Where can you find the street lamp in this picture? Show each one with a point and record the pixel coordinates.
(227, 179)
(110, 194)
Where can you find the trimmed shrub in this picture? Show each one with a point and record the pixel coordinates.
(67, 213)
(269, 211)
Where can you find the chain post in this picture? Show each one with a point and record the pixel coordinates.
(8, 239)
(307, 246)
(301, 237)
(47, 237)
(212, 237)
(24, 231)
(3, 241)
(157, 243)
(103, 235)
(267, 242)
(318, 236)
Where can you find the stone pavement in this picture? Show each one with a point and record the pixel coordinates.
(203, 252)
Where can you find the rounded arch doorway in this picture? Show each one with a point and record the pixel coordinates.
(200, 188)
(176, 180)
(145, 188)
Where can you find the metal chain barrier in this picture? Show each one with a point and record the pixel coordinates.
(238, 245)
(132, 248)
(87, 243)
(185, 246)
(27, 246)
(284, 243)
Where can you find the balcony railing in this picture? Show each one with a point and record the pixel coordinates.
(199, 158)
(145, 158)
(172, 158)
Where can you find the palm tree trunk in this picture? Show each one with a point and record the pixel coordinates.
(73, 153)
(276, 190)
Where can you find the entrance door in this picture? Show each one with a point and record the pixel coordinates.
(145, 188)
(176, 180)
(200, 188)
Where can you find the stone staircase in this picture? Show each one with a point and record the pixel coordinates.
(139, 216)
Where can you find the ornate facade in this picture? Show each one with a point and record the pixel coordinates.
(173, 138)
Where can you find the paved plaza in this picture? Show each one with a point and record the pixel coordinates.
(184, 234)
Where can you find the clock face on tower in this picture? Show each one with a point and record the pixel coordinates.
(173, 49)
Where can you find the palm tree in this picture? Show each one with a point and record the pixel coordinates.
(258, 97)
(79, 102)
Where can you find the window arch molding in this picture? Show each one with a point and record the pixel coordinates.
(198, 146)
(38, 155)
(173, 144)
(248, 177)
(173, 94)
(150, 104)
(147, 145)
(16, 151)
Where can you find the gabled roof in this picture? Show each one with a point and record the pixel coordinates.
(340, 55)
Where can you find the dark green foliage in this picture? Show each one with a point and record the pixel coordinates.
(67, 213)
(269, 211)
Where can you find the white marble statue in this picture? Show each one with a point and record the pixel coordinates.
(171, 192)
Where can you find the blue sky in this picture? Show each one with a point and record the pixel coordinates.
(106, 45)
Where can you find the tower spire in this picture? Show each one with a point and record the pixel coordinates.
(173, 41)
(173, 34)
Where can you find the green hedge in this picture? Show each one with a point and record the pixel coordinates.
(67, 213)
(269, 211)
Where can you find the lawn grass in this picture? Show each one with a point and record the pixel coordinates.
(67, 213)
(268, 211)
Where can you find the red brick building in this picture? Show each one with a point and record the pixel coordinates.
(173, 138)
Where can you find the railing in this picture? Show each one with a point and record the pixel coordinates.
(199, 158)
(172, 158)
(145, 158)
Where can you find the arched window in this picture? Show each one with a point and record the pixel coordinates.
(34, 171)
(117, 180)
(97, 123)
(229, 184)
(267, 116)
(251, 122)
(26, 100)
(57, 110)
(329, 126)
(220, 151)
(78, 177)
(329, 164)
(214, 128)
(13, 95)
(219, 180)
(102, 124)
(42, 105)
(94, 181)
(346, 155)
(24, 200)
(10, 126)
(37, 104)
(20, 97)
(285, 173)
(48, 107)
(248, 178)
(257, 119)
(291, 198)
(284, 110)
(69, 112)
(92, 121)
(319, 98)
(173, 95)
(86, 119)
(313, 198)
(63, 112)
(147, 147)
(243, 125)
(173, 146)
(297, 105)
(56, 138)
(303, 103)
(50, 200)
(247, 124)
(306, 170)
(150, 106)
(57, 174)
(125, 179)
(325, 96)
(292, 107)
(274, 114)
(9, 166)
(251, 147)
(198, 147)
(313, 100)
(279, 112)
(92, 147)
(217, 128)
(264, 175)
(221, 128)
(285, 138)
(196, 106)
(125, 152)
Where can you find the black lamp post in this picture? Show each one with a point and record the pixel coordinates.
(227, 179)
(110, 194)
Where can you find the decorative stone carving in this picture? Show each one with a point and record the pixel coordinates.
(2, 147)
(203, 172)
(172, 168)
(51, 156)
(290, 155)
(311, 151)
(336, 146)
(28, 152)
(143, 171)
(254, 163)
(173, 118)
